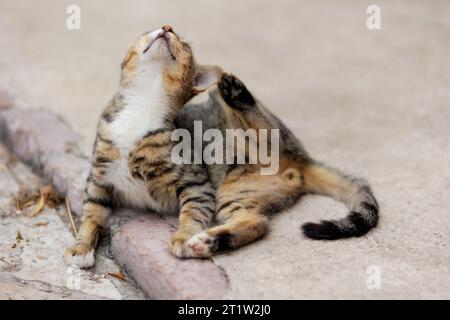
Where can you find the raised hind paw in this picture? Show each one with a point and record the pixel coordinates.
(234, 92)
(80, 255)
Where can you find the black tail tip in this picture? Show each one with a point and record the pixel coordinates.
(325, 230)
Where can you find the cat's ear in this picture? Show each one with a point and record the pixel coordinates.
(206, 76)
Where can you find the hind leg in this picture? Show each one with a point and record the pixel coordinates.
(238, 228)
(235, 93)
(242, 229)
(243, 201)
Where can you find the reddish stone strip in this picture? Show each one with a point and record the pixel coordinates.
(141, 247)
(43, 140)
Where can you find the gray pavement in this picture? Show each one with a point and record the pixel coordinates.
(31, 265)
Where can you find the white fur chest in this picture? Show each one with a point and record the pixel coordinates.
(143, 111)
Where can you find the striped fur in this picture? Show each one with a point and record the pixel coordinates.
(245, 199)
(354, 192)
(131, 160)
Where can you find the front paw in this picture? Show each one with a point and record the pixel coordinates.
(177, 243)
(80, 255)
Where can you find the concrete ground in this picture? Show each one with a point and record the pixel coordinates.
(31, 265)
(373, 103)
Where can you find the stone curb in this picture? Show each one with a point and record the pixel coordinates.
(44, 140)
(144, 254)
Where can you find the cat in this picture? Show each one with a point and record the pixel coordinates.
(220, 206)
(245, 198)
(131, 162)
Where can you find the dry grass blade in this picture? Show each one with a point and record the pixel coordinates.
(39, 207)
(69, 213)
(119, 275)
(41, 224)
(29, 196)
(25, 198)
(45, 191)
(26, 204)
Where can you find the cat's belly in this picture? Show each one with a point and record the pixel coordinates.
(133, 192)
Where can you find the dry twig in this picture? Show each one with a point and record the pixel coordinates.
(41, 224)
(69, 213)
(119, 275)
(45, 192)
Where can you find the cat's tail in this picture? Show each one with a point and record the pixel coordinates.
(354, 192)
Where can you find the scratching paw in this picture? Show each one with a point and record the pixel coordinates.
(234, 92)
(80, 255)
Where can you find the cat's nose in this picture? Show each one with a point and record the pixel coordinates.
(167, 28)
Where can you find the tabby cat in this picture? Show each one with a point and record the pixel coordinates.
(220, 206)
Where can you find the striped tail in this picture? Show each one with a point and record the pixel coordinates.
(354, 192)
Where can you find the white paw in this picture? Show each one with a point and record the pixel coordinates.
(178, 252)
(79, 256)
(200, 245)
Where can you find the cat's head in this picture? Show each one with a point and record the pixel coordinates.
(160, 57)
